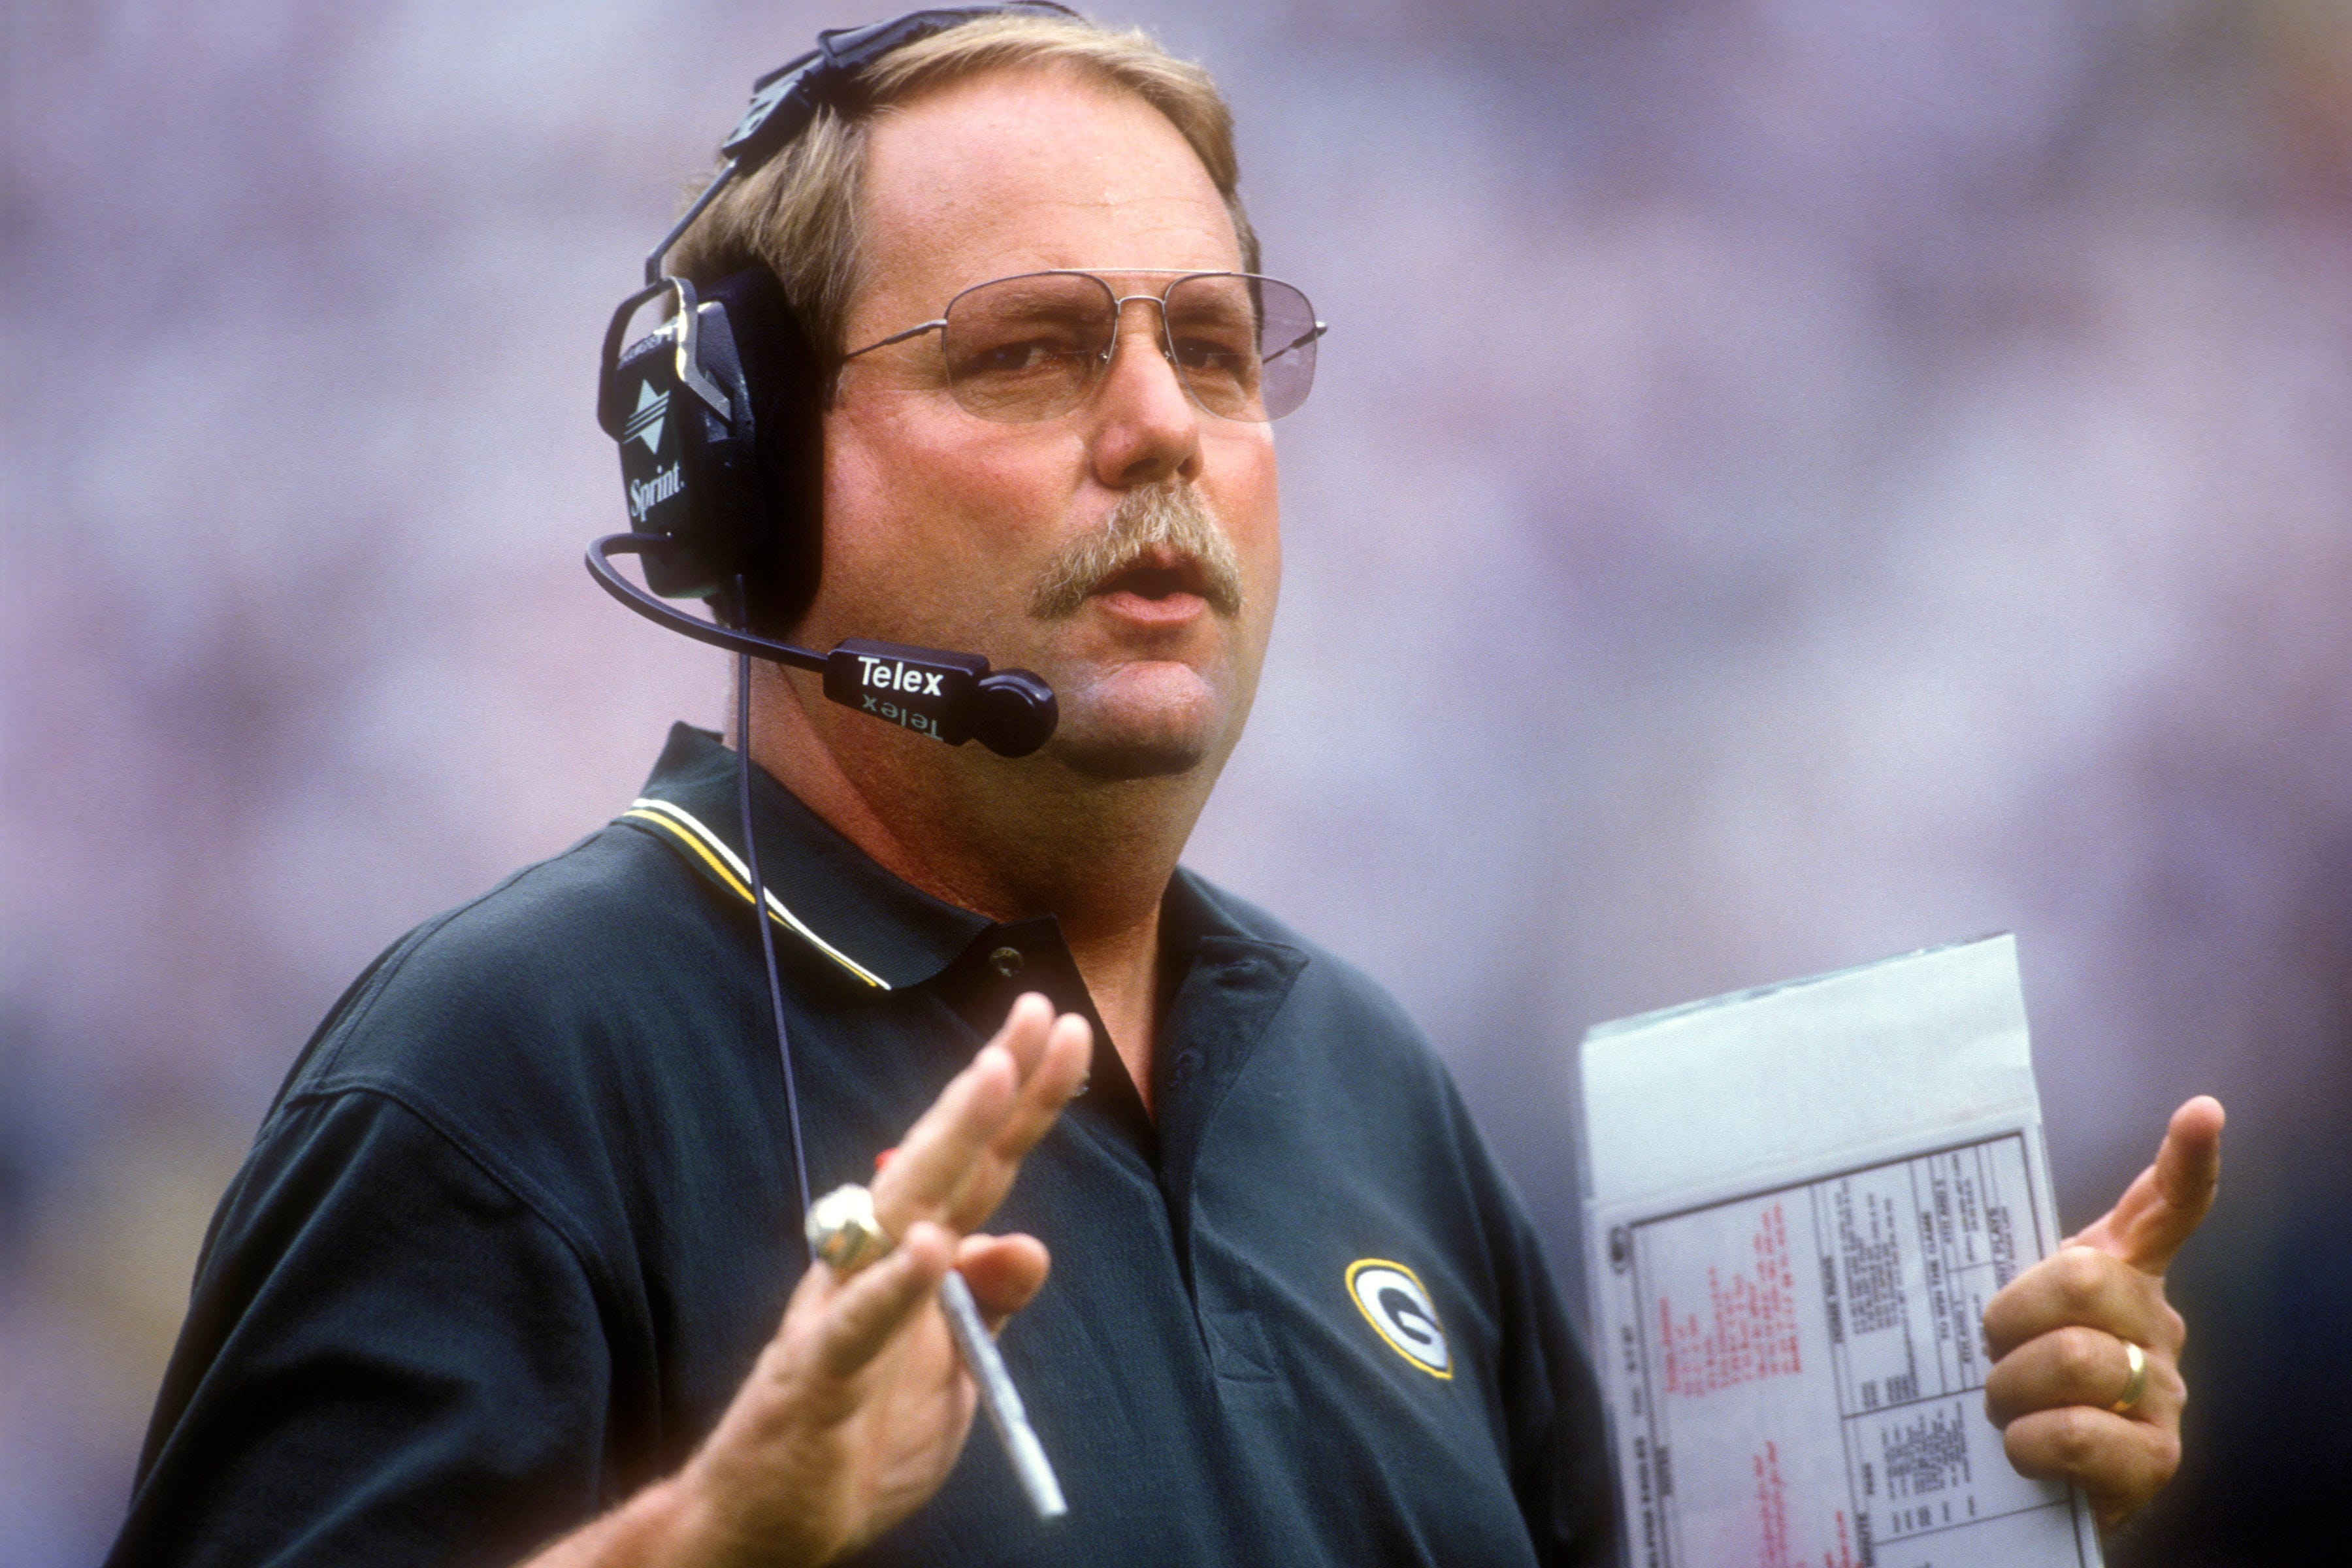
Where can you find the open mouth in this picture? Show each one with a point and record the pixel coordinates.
(1160, 556)
(1159, 575)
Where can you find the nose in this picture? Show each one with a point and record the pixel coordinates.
(1144, 427)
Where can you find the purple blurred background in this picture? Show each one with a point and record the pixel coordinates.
(1793, 480)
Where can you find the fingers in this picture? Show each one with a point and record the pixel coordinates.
(958, 1161)
(2164, 1203)
(2058, 1335)
(935, 1158)
(1018, 1034)
(1003, 1271)
(877, 1302)
(2119, 1462)
(1059, 1070)
(2078, 1366)
(2080, 1287)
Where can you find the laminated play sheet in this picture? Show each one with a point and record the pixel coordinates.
(1798, 1202)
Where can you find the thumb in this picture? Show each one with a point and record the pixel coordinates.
(2164, 1203)
(1003, 1271)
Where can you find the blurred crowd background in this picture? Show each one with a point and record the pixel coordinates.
(1792, 480)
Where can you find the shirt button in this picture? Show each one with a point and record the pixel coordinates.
(1006, 961)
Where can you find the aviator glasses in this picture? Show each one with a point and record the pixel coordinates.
(1031, 347)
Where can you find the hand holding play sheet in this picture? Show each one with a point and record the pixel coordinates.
(2062, 1332)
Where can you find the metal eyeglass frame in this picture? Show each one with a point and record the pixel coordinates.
(1118, 315)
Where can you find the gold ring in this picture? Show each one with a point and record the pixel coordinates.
(843, 1231)
(2136, 1385)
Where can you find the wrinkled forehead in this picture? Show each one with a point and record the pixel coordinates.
(1026, 171)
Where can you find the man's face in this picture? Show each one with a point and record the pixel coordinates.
(941, 528)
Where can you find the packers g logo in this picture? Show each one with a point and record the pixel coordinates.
(1392, 1299)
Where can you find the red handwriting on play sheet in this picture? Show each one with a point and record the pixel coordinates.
(1751, 1332)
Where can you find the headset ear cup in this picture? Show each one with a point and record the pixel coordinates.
(667, 467)
(728, 472)
(778, 531)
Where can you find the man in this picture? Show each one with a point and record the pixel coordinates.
(506, 1265)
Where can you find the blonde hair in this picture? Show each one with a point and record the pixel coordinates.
(799, 214)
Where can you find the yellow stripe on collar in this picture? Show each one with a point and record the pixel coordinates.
(727, 866)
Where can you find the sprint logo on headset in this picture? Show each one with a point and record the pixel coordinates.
(646, 494)
(645, 420)
(1393, 1302)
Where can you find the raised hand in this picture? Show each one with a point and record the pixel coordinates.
(856, 1410)
(2061, 1333)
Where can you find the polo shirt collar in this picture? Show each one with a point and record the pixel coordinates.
(891, 936)
(820, 887)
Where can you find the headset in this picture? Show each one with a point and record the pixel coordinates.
(716, 414)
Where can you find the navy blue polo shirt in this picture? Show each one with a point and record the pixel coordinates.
(523, 1215)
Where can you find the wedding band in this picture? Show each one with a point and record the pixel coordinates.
(2138, 1385)
(843, 1233)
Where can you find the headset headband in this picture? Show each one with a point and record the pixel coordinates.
(784, 102)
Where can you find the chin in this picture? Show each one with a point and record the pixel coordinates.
(1127, 728)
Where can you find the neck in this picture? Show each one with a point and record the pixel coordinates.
(1010, 839)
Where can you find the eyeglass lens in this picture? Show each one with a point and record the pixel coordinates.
(1029, 348)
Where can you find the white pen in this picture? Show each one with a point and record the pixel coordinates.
(843, 1231)
(1000, 1399)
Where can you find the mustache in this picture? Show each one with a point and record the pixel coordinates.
(1169, 517)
